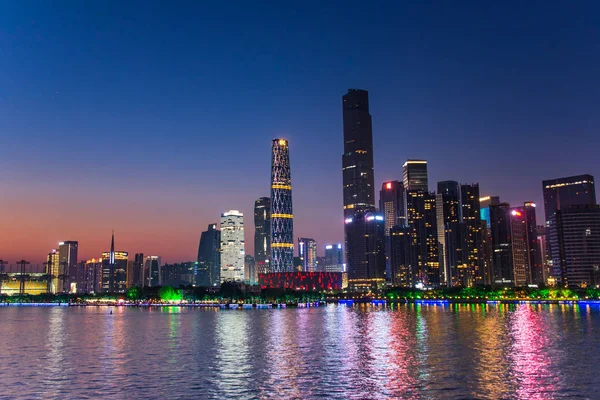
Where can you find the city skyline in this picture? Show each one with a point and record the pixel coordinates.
(466, 124)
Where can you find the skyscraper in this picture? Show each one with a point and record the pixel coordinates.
(520, 274)
(421, 216)
(152, 271)
(262, 233)
(470, 216)
(500, 229)
(365, 240)
(334, 258)
(531, 243)
(558, 194)
(450, 234)
(53, 270)
(68, 260)
(391, 204)
(209, 259)
(414, 175)
(579, 230)
(282, 216)
(137, 270)
(307, 251)
(114, 269)
(250, 274)
(403, 256)
(357, 160)
(232, 246)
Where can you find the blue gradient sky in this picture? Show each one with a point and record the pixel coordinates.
(152, 119)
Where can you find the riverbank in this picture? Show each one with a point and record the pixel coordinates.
(346, 302)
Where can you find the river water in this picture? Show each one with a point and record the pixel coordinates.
(342, 352)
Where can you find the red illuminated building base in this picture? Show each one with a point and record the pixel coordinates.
(307, 281)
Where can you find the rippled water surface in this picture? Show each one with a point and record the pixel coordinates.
(406, 351)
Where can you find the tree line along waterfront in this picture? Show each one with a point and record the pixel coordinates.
(231, 293)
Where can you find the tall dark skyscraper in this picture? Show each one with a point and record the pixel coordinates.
(450, 234)
(531, 243)
(558, 194)
(471, 217)
(500, 231)
(357, 161)
(414, 175)
(365, 239)
(68, 260)
(262, 233)
(282, 216)
(209, 259)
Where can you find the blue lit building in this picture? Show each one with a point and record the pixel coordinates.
(365, 244)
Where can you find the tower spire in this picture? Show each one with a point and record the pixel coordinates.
(112, 248)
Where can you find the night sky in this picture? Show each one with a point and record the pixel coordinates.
(151, 119)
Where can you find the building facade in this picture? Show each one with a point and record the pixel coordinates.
(334, 258)
(208, 269)
(357, 161)
(152, 271)
(262, 233)
(414, 175)
(68, 260)
(232, 246)
(365, 241)
(282, 216)
(307, 251)
(558, 194)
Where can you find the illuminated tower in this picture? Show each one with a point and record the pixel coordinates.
(232, 246)
(262, 233)
(114, 269)
(282, 217)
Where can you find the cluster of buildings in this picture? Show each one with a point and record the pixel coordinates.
(413, 237)
(455, 236)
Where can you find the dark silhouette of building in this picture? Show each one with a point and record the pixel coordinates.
(250, 273)
(68, 260)
(450, 235)
(558, 194)
(282, 216)
(153, 275)
(137, 270)
(531, 242)
(357, 160)
(501, 243)
(208, 269)
(365, 241)
(578, 228)
(262, 233)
